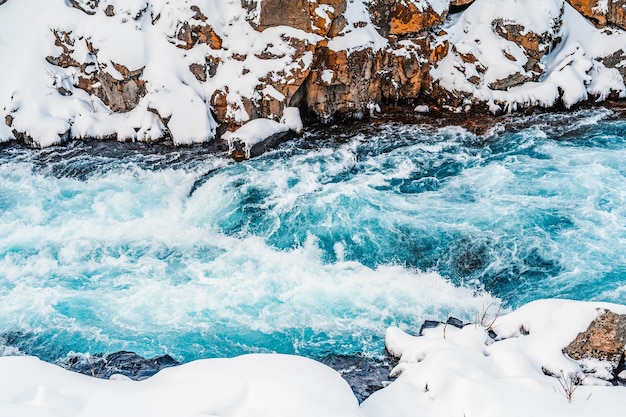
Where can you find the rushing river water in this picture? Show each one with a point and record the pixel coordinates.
(314, 248)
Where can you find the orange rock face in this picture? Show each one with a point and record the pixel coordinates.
(613, 15)
(327, 16)
(401, 17)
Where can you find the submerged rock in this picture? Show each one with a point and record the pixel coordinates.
(364, 375)
(124, 363)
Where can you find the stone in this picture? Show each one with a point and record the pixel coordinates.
(460, 3)
(401, 17)
(327, 16)
(535, 46)
(614, 14)
(119, 95)
(192, 35)
(429, 324)
(342, 83)
(271, 13)
(364, 375)
(616, 60)
(124, 363)
(94, 78)
(199, 71)
(87, 6)
(604, 340)
(433, 324)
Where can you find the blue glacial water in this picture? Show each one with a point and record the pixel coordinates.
(313, 248)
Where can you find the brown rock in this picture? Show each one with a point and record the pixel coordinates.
(439, 51)
(346, 84)
(404, 69)
(337, 26)
(199, 15)
(535, 45)
(604, 339)
(63, 40)
(508, 82)
(617, 61)
(110, 10)
(294, 13)
(327, 16)
(120, 95)
(400, 17)
(615, 13)
(459, 3)
(198, 71)
(192, 35)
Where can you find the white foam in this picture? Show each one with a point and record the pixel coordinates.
(129, 261)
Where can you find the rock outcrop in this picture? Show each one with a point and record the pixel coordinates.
(118, 87)
(401, 17)
(602, 12)
(154, 71)
(604, 340)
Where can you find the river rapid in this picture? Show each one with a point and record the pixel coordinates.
(313, 248)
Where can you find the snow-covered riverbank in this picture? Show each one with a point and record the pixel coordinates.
(186, 72)
(509, 365)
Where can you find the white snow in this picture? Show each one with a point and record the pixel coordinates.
(445, 372)
(327, 76)
(141, 35)
(359, 32)
(464, 372)
(292, 120)
(573, 67)
(253, 385)
(258, 130)
(42, 100)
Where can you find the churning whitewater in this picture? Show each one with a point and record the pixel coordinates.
(313, 248)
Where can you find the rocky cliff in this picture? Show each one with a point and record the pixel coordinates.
(188, 71)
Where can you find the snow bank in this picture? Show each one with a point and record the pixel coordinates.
(445, 372)
(464, 372)
(254, 385)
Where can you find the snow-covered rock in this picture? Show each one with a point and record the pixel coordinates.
(509, 54)
(508, 365)
(521, 372)
(242, 142)
(148, 70)
(400, 17)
